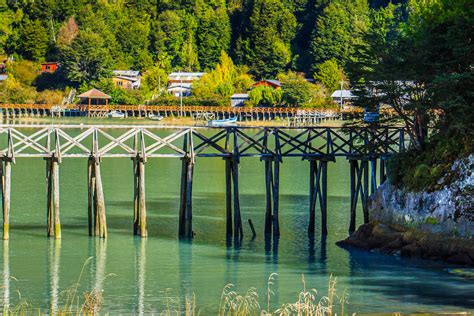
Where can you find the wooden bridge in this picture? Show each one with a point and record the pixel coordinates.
(204, 112)
(365, 148)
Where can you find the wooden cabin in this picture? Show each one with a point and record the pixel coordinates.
(49, 67)
(127, 79)
(94, 100)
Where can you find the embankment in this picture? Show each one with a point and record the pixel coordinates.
(431, 225)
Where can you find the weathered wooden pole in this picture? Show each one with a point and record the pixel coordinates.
(143, 231)
(55, 173)
(53, 219)
(228, 195)
(238, 231)
(100, 202)
(354, 195)
(382, 173)
(312, 199)
(6, 177)
(90, 195)
(276, 198)
(187, 171)
(324, 196)
(365, 190)
(136, 205)
(268, 191)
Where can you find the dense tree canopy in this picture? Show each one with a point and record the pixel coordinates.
(267, 36)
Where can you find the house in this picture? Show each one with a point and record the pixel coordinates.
(49, 67)
(184, 77)
(343, 96)
(3, 78)
(238, 99)
(127, 79)
(177, 89)
(180, 83)
(268, 83)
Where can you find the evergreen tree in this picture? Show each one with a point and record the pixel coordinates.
(34, 40)
(213, 36)
(339, 30)
(272, 28)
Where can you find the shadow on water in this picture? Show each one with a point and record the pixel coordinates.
(416, 280)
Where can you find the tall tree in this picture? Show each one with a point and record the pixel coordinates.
(213, 36)
(87, 59)
(34, 40)
(339, 30)
(271, 30)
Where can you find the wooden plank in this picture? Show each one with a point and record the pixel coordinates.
(142, 205)
(55, 175)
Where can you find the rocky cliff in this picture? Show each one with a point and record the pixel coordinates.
(436, 225)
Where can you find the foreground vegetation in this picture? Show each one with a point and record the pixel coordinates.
(308, 302)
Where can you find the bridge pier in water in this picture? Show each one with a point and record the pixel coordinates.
(96, 204)
(270, 144)
(52, 179)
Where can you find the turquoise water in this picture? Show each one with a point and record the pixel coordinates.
(137, 275)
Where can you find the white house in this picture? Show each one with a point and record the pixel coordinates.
(177, 88)
(238, 99)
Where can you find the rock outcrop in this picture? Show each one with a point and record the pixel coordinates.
(434, 225)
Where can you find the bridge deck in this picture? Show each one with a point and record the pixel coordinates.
(149, 141)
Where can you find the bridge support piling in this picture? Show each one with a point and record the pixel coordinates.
(272, 188)
(96, 202)
(6, 189)
(232, 199)
(139, 213)
(318, 193)
(186, 211)
(52, 175)
(359, 172)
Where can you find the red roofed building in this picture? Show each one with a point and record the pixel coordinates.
(268, 83)
(49, 67)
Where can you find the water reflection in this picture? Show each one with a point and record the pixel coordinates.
(100, 259)
(140, 268)
(6, 274)
(54, 257)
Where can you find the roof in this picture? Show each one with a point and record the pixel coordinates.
(180, 85)
(274, 82)
(240, 96)
(346, 94)
(94, 94)
(127, 78)
(185, 75)
(126, 73)
(50, 63)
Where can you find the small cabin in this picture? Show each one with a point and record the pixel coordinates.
(127, 79)
(94, 99)
(268, 83)
(178, 89)
(49, 67)
(238, 99)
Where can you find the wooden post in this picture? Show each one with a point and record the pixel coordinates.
(373, 175)
(268, 191)
(354, 195)
(312, 201)
(52, 175)
(324, 196)
(6, 199)
(382, 173)
(228, 196)
(276, 197)
(318, 192)
(100, 202)
(142, 205)
(135, 196)
(90, 193)
(57, 224)
(185, 213)
(238, 231)
(365, 191)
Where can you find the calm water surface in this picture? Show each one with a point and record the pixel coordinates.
(135, 274)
